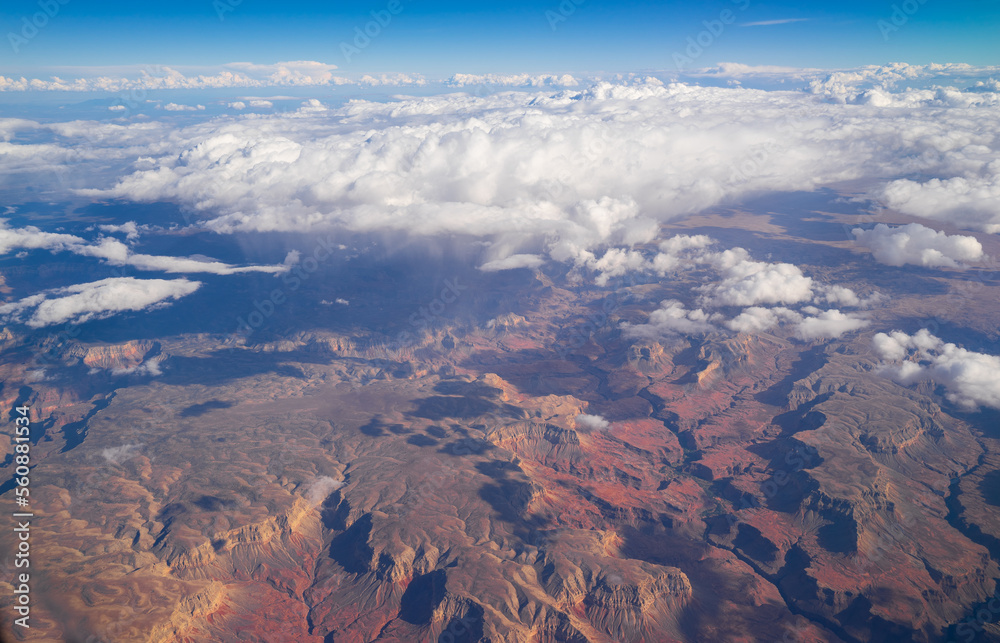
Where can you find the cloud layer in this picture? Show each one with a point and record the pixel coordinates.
(571, 170)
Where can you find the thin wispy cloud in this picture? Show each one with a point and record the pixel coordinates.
(768, 23)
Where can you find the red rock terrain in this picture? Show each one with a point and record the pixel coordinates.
(321, 486)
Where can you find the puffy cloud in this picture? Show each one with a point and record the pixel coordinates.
(321, 488)
(828, 325)
(174, 107)
(971, 379)
(96, 300)
(568, 170)
(918, 245)
(757, 319)
(971, 201)
(573, 169)
(513, 80)
(237, 105)
(31, 238)
(672, 318)
(293, 73)
(130, 229)
(861, 85)
(815, 325)
(159, 77)
(843, 296)
(738, 280)
(748, 283)
(592, 422)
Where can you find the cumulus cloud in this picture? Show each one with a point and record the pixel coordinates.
(918, 245)
(734, 279)
(756, 319)
(748, 283)
(160, 77)
(969, 200)
(250, 75)
(96, 300)
(592, 422)
(874, 84)
(513, 80)
(672, 318)
(572, 169)
(151, 367)
(970, 379)
(174, 107)
(815, 324)
(32, 238)
(828, 324)
(321, 488)
(130, 229)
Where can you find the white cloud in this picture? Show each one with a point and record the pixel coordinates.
(748, 283)
(757, 319)
(149, 367)
(119, 454)
(174, 107)
(512, 262)
(918, 245)
(513, 80)
(130, 229)
(117, 253)
(672, 318)
(237, 105)
(116, 108)
(971, 379)
(841, 295)
(592, 422)
(321, 488)
(829, 324)
(970, 200)
(96, 300)
(194, 265)
(303, 73)
(33, 238)
(260, 103)
(573, 169)
(862, 84)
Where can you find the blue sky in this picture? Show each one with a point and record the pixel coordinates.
(516, 36)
